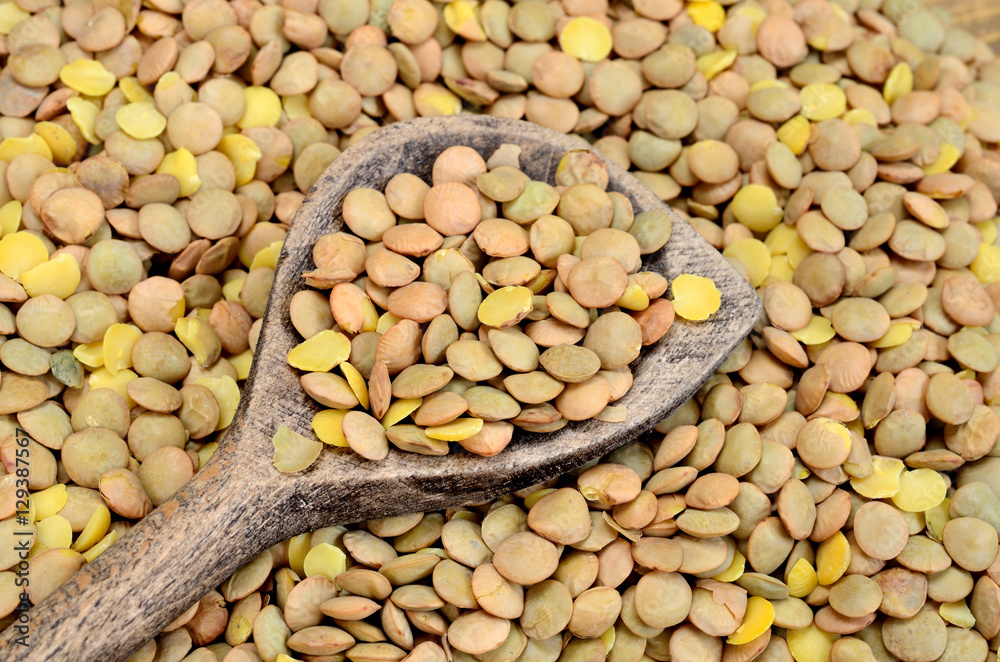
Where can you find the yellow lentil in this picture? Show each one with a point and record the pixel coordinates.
(707, 13)
(15, 146)
(457, 430)
(95, 529)
(227, 394)
(97, 548)
(141, 120)
(59, 276)
(712, 64)
(756, 207)
(292, 451)
(182, 166)
(20, 252)
(399, 410)
(328, 426)
(11, 15)
(756, 621)
(795, 134)
(88, 77)
(695, 298)
(61, 144)
(84, 115)
(117, 346)
(899, 83)
(244, 155)
(585, 39)
(822, 101)
(321, 353)
(263, 107)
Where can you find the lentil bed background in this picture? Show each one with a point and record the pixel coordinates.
(832, 493)
(981, 17)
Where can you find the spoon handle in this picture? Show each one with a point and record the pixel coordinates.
(212, 526)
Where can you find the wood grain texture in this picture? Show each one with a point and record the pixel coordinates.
(980, 17)
(239, 504)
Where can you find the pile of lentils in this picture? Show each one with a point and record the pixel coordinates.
(832, 493)
(448, 351)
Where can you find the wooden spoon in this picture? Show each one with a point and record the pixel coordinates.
(239, 505)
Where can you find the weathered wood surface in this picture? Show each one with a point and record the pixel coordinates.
(240, 505)
(980, 17)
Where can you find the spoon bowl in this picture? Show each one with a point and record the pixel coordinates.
(239, 505)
